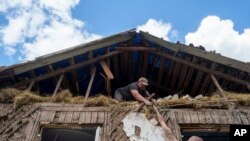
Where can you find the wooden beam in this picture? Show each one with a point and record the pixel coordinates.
(199, 53)
(66, 69)
(223, 95)
(89, 86)
(106, 69)
(74, 51)
(58, 85)
(147, 49)
(30, 86)
(199, 67)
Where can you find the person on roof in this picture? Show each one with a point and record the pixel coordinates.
(135, 90)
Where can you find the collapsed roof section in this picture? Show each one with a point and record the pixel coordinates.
(122, 58)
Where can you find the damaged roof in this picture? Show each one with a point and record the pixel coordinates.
(170, 67)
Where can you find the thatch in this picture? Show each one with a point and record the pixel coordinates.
(20, 98)
(214, 100)
(7, 95)
(26, 97)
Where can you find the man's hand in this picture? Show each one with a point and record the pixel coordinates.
(154, 101)
(148, 102)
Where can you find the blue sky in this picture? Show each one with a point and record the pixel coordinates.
(31, 28)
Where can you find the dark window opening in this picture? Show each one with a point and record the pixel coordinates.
(64, 134)
(206, 135)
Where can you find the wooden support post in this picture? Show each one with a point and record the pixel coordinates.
(30, 86)
(89, 86)
(58, 85)
(223, 95)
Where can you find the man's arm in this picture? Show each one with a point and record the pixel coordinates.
(166, 129)
(139, 97)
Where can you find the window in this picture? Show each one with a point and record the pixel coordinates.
(67, 134)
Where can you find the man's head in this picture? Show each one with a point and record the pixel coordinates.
(142, 82)
(195, 138)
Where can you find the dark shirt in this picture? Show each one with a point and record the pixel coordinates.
(126, 91)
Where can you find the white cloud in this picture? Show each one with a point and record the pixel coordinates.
(218, 34)
(158, 28)
(38, 27)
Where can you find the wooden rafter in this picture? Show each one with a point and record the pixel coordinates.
(66, 69)
(201, 68)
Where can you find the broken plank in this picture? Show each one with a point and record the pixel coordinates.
(106, 69)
